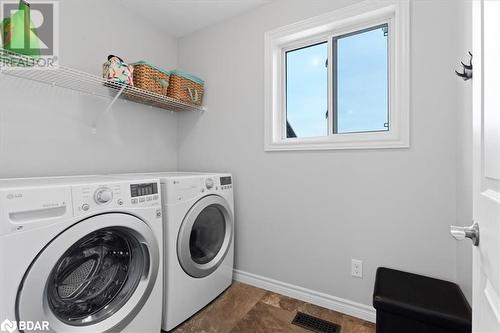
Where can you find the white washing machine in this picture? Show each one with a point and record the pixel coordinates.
(80, 254)
(198, 241)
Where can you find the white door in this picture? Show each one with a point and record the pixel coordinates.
(486, 154)
(205, 236)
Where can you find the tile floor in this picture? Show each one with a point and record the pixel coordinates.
(246, 309)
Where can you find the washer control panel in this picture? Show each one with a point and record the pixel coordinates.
(144, 192)
(103, 195)
(95, 197)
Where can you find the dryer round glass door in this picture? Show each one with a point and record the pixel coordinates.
(205, 236)
(98, 281)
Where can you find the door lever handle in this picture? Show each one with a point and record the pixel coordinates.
(461, 233)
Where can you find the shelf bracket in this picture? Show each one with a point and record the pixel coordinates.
(108, 108)
(115, 98)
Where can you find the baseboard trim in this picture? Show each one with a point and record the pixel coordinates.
(334, 303)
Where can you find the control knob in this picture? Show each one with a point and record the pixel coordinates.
(103, 195)
(209, 183)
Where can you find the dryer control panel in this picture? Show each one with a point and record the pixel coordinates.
(226, 182)
(178, 189)
(95, 197)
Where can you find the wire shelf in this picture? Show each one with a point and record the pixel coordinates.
(21, 66)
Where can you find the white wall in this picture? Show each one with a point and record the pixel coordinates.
(302, 216)
(48, 131)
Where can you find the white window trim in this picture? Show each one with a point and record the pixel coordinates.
(365, 14)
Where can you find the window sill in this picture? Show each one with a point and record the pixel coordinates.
(339, 142)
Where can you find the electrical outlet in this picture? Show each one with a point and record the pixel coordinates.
(357, 268)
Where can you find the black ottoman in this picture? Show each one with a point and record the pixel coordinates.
(411, 303)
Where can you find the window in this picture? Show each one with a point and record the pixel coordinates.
(340, 80)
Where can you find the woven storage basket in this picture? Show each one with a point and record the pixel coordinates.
(186, 88)
(151, 78)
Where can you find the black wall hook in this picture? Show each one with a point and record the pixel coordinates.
(466, 69)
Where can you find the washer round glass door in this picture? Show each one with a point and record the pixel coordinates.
(205, 236)
(96, 282)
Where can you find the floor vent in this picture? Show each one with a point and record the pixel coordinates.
(315, 324)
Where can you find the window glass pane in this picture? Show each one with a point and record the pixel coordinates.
(307, 91)
(361, 87)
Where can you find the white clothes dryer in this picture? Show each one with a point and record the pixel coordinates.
(198, 241)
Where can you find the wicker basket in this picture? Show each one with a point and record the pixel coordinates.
(151, 78)
(186, 88)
